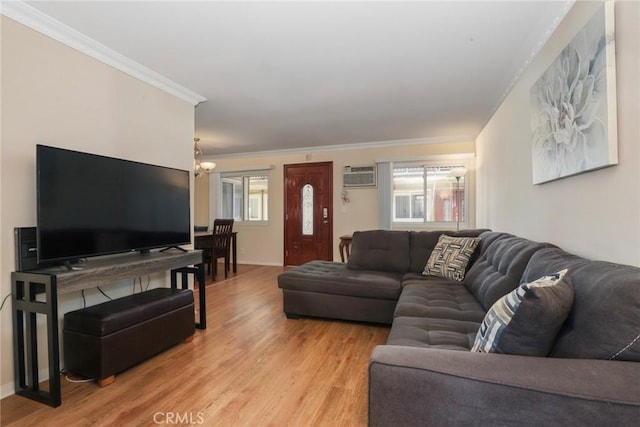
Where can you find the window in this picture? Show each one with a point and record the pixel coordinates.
(307, 210)
(245, 197)
(427, 194)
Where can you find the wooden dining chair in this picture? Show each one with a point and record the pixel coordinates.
(220, 246)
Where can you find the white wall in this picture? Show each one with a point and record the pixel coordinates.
(596, 214)
(264, 244)
(54, 95)
(201, 201)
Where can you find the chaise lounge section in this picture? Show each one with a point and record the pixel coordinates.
(365, 289)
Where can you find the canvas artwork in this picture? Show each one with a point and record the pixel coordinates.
(574, 125)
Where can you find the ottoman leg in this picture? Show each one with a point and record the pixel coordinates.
(106, 381)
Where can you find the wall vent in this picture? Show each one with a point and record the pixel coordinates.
(359, 176)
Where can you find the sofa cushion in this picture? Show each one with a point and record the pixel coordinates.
(380, 250)
(437, 298)
(335, 278)
(603, 322)
(450, 257)
(435, 333)
(421, 243)
(527, 319)
(499, 267)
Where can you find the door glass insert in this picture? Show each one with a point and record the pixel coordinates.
(307, 210)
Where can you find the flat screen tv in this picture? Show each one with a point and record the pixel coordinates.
(90, 205)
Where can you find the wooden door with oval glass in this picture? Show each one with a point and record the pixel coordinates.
(308, 208)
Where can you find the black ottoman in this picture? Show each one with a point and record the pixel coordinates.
(104, 339)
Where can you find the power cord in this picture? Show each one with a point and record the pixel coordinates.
(139, 279)
(71, 380)
(102, 292)
(5, 300)
(140, 283)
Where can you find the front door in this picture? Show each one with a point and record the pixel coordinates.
(308, 212)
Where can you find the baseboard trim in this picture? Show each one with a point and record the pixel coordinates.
(266, 264)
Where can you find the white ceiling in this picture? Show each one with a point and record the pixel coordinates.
(300, 75)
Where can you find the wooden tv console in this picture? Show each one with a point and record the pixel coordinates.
(36, 292)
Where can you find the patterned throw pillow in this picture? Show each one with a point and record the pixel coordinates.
(527, 320)
(450, 257)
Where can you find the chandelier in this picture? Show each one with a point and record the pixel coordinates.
(199, 165)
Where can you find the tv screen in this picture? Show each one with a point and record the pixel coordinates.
(90, 205)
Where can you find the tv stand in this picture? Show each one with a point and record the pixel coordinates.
(36, 292)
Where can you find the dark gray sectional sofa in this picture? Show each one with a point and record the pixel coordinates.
(427, 375)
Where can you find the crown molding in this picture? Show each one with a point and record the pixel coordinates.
(342, 147)
(541, 43)
(38, 21)
(428, 157)
(257, 168)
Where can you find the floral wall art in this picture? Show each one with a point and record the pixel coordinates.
(574, 105)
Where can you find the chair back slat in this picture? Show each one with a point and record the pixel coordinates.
(222, 229)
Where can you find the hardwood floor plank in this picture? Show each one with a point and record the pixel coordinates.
(251, 367)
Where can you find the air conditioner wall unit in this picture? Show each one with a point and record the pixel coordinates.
(359, 176)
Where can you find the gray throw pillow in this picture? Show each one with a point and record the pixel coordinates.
(527, 320)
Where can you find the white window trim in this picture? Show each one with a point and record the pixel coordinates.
(216, 181)
(466, 160)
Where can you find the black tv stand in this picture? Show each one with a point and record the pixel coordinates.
(36, 292)
(173, 247)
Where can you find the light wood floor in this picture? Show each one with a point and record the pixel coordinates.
(251, 367)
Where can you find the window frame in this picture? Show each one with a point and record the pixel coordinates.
(243, 202)
(465, 186)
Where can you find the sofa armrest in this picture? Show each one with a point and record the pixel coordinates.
(411, 386)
